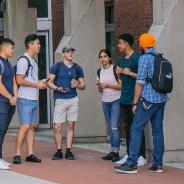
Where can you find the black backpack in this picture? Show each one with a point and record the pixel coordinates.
(58, 69)
(29, 65)
(162, 80)
(114, 70)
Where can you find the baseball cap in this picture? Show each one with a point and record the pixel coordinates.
(67, 48)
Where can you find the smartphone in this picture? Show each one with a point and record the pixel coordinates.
(47, 80)
(65, 89)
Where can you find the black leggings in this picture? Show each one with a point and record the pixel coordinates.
(127, 115)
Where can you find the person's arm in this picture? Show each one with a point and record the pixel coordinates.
(15, 90)
(100, 90)
(22, 66)
(22, 82)
(52, 86)
(3, 91)
(50, 83)
(117, 86)
(141, 79)
(128, 72)
(79, 84)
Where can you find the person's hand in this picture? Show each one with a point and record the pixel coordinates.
(127, 71)
(13, 101)
(62, 90)
(74, 83)
(134, 109)
(15, 98)
(103, 86)
(119, 70)
(42, 84)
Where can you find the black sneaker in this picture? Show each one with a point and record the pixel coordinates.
(127, 169)
(156, 169)
(16, 159)
(69, 155)
(109, 156)
(57, 156)
(117, 166)
(33, 158)
(115, 157)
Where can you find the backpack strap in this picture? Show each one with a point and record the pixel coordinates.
(98, 72)
(77, 68)
(29, 64)
(115, 74)
(58, 69)
(114, 71)
(2, 66)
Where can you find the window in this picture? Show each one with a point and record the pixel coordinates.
(44, 95)
(109, 12)
(1, 6)
(42, 9)
(109, 27)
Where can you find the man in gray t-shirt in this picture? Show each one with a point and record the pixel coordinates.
(28, 94)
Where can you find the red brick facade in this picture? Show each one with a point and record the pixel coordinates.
(57, 22)
(133, 16)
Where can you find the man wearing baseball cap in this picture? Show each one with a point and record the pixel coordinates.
(148, 105)
(65, 78)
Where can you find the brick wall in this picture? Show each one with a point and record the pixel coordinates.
(133, 16)
(57, 22)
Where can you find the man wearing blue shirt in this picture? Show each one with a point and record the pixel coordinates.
(65, 78)
(8, 93)
(148, 105)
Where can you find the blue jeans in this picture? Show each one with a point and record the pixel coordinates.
(154, 113)
(112, 116)
(6, 113)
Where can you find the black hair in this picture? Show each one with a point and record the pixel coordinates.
(127, 37)
(30, 38)
(6, 41)
(106, 51)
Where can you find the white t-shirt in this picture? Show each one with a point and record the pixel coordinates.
(29, 93)
(107, 76)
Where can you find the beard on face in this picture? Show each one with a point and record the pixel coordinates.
(142, 51)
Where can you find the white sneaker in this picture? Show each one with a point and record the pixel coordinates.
(6, 163)
(4, 166)
(142, 161)
(123, 160)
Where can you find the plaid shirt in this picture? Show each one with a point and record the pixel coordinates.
(146, 68)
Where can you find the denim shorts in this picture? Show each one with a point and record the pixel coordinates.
(27, 111)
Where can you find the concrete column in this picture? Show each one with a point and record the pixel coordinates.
(86, 33)
(171, 43)
(19, 21)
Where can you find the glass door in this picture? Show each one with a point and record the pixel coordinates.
(44, 95)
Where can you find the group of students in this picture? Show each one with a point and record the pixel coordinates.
(125, 92)
(19, 86)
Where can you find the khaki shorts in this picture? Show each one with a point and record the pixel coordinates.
(66, 110)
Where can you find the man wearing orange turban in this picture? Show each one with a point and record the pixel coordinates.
(148, 105)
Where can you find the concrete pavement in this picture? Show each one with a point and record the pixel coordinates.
(87, 168)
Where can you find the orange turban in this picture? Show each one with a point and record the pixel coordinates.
(147, 40)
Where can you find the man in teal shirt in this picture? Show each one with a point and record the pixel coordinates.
(127, 71)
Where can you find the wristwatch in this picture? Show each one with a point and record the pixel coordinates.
(134, 104)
